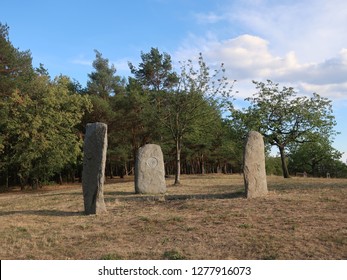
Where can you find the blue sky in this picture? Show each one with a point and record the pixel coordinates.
(295, 43)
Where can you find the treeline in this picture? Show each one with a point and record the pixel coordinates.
(182, 112)
(42, 119)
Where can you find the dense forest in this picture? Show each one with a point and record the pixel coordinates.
(188, 111)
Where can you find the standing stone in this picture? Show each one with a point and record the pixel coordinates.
(254, 166)
(93, 175)
(149, 170)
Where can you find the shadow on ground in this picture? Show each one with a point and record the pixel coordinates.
(169, 197)
(54, 213)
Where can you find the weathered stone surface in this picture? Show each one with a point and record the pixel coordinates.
(93, 175)
(254, 166)
(149, 170)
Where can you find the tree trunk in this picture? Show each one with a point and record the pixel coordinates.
(219, 168)
(314, 169)
(60, 179)
(111, 170)
(178, 162)
(192, 167)
(7, 180)
(203, 171)
(284, 163)
(72, 175)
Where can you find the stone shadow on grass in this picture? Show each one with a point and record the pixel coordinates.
(54, 213)
(118, 193)
(169, 197)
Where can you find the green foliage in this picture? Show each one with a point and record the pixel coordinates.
(42, 120)
(134, 120)
(316, 157)
(189, 112)
(15, 71)
(273, 166)
(230, 150)
(15, 65)
(39, 119)
(101, 110)
(41, 128)
(155, 71)
(178, 111)
(103, 82)
(284, 118)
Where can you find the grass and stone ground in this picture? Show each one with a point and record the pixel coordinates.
(207, 217)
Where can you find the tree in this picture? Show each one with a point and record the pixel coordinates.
(42, 133)
(15, 65)
(103, 82)
(273, 166)
(155, 71)
(153, 80)
(16, 72)
(185, 105)
(191, 107)
(102, 86)
(314, 157)
(284, 118)
(39, 118)
(230, 150)
(134, 119)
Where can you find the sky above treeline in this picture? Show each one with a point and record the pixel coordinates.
(294, 43)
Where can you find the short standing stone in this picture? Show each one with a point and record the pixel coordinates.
(149, 170)
(254, 166)
(94, 160)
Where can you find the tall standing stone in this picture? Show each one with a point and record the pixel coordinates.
(93, 175)
(254, 166)
(149, 170)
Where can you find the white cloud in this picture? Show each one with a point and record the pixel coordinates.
(248, 57)
(333, 91)
(299, 43)
(333, 70)
(245, 57)
(314, 29)
(296, 42)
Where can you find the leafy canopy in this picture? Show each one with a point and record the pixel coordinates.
(286, 118)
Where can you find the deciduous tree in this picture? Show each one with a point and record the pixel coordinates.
(42, 132)
(191, 107)
(314, 157)
(286, 118)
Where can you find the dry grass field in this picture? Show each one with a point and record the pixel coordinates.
(207, 217)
